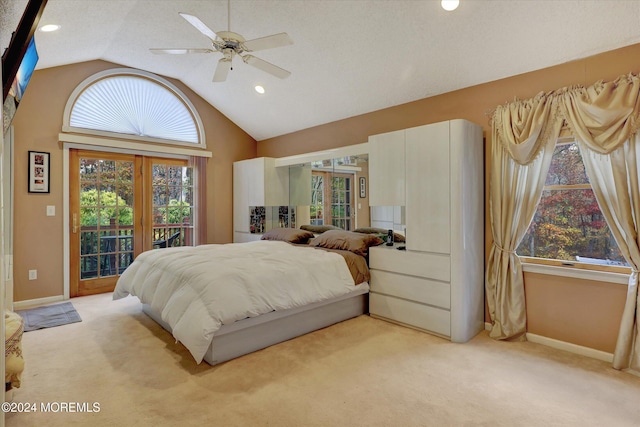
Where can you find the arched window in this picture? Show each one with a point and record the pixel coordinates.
(133, 104)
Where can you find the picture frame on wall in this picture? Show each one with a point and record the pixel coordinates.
(363, 187)
(39, 173)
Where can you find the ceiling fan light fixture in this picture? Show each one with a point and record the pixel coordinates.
(231, 44)
(49, 27)
(450, 5)
(259, 89)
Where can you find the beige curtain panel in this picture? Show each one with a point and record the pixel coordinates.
(604, 118)
(524, 135)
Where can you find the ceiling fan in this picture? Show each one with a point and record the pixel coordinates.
(229, 44)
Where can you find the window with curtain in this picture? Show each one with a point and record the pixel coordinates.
(568, 224)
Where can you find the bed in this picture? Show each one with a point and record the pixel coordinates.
(224, 301)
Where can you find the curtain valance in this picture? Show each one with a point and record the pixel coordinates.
(603, 116)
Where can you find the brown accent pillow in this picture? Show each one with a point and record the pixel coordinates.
(318, 229)
(290, 235)
(397, 237)
(357, 243)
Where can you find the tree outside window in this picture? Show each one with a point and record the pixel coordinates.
(568, 224)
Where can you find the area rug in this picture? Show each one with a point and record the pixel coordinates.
(49, 316)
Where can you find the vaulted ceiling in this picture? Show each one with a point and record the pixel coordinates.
(349, 57)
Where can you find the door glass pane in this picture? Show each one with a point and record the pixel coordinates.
(125, 172)
(187, 195)
(88, 169)
(88, 267)
(159, 174)
(125, 195)
(107, 265)
(174, 175)
(159, 216)
(88, 242)
(89, 194)
(159, 195)
(107, 170)
(107, 194)
(107, 244)
(106, 216)
(173, 205)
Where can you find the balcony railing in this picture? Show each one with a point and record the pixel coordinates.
(109, 251)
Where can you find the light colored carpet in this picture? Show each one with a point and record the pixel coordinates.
(362, 372)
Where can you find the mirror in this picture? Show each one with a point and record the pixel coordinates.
(332, 191)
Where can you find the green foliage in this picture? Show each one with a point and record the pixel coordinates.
(176, 212)
(109, 206)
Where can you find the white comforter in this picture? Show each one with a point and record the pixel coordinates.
(197, 289)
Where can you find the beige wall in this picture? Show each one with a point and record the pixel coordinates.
(38, 239)
(583, 312)
(475, 104)
(362, 204)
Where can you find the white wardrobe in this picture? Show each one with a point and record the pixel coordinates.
(437, 283)
(256, 182)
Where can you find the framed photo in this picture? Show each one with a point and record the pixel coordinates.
(363, 187)
(39, 173)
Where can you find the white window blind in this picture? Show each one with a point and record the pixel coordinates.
(133, 105)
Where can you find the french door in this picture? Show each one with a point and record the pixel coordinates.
(332, 199)
(105, 203)
(120, 206)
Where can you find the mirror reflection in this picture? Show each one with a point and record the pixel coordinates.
(331, 192)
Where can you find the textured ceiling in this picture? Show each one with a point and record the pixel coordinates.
(348, 57)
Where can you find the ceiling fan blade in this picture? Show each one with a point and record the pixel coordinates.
(266, 66)
(268, 42)
(200, 26)
(180, 51)
(222, 69)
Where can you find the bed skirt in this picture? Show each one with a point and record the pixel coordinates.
(255, 333)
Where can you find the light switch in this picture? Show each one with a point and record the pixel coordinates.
(51, 211)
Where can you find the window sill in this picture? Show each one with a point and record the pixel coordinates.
(577, 273)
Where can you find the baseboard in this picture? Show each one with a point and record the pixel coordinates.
(572, 348)
(565, 346)
(19, 305)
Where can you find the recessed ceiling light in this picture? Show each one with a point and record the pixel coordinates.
(450, 5)
(259, 89)
(49, 27)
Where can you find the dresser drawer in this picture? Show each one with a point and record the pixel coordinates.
(432, 266)
(411, 313)
(412, 288)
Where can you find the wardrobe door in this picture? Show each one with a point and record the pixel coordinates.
(387, 169)
(240, 197)
(428, 188)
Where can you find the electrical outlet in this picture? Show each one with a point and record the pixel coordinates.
(33, 274)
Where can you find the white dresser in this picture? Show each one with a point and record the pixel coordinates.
(437, 283)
